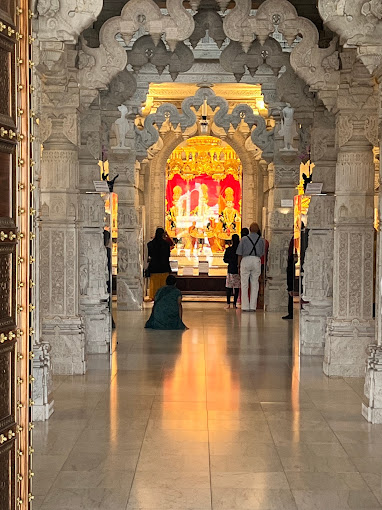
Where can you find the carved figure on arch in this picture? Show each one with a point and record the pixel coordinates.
(288, 127)
(121, 128)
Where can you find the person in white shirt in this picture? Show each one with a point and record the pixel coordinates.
(250, 251)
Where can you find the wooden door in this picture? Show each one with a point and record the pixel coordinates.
(15, 491)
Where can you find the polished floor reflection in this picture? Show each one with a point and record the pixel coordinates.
(221, 417)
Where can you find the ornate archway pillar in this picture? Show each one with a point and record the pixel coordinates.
(123, 161)
(93, 296)
(318, 264)
(361, 26)
(62, 324)
(351, 328)
(372, 402)
(285, 174)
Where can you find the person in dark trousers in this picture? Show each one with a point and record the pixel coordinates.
(107, 244)
(159, 261)
(233, 277)
(290, 279)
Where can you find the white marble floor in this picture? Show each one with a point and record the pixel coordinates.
(222, 417)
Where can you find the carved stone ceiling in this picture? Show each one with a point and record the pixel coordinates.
(305, 8)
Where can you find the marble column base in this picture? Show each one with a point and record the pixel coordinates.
(97, 322)
(42, 412)
(372, 402)
(313, 328)
(276, 295)
(129, 293)
(346, 347)
(67, 339)
(42, 385)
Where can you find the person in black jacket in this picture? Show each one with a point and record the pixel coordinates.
(233, 277)
(159, 261)
(290, 279)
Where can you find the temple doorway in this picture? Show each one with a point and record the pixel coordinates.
(203, 207)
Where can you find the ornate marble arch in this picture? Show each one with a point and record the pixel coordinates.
(251, 190)
(315, 65)
(99, 65)
(359, 24)
(318, 67)
(64, 21)
(149, 135)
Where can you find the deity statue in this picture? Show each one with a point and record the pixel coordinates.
(191, 237)
(212, 232)
(202, 210)
(288, 127)
(174, 211)
(121, 127)
(230, 217)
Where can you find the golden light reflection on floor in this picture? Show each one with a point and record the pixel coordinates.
(114, 408)
(295, 394)
(202, 373)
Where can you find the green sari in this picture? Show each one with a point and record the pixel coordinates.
(165, 312)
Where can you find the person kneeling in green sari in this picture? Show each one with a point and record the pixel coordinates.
(167, 309)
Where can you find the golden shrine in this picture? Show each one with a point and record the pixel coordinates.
(203, 198)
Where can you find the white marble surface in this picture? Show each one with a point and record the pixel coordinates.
(224, 416)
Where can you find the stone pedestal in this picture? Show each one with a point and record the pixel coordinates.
(372, 402)
(62, 325)
(42, 385)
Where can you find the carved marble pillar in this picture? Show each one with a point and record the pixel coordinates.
(94, 299)
(122, 161)
(42, 365)
(286, 173)
(351, 328)
(372, 402)
(62, 325)
(318, 264)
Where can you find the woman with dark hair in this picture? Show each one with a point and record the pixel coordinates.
(167, 310)
(233, 277)
(159, 261)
